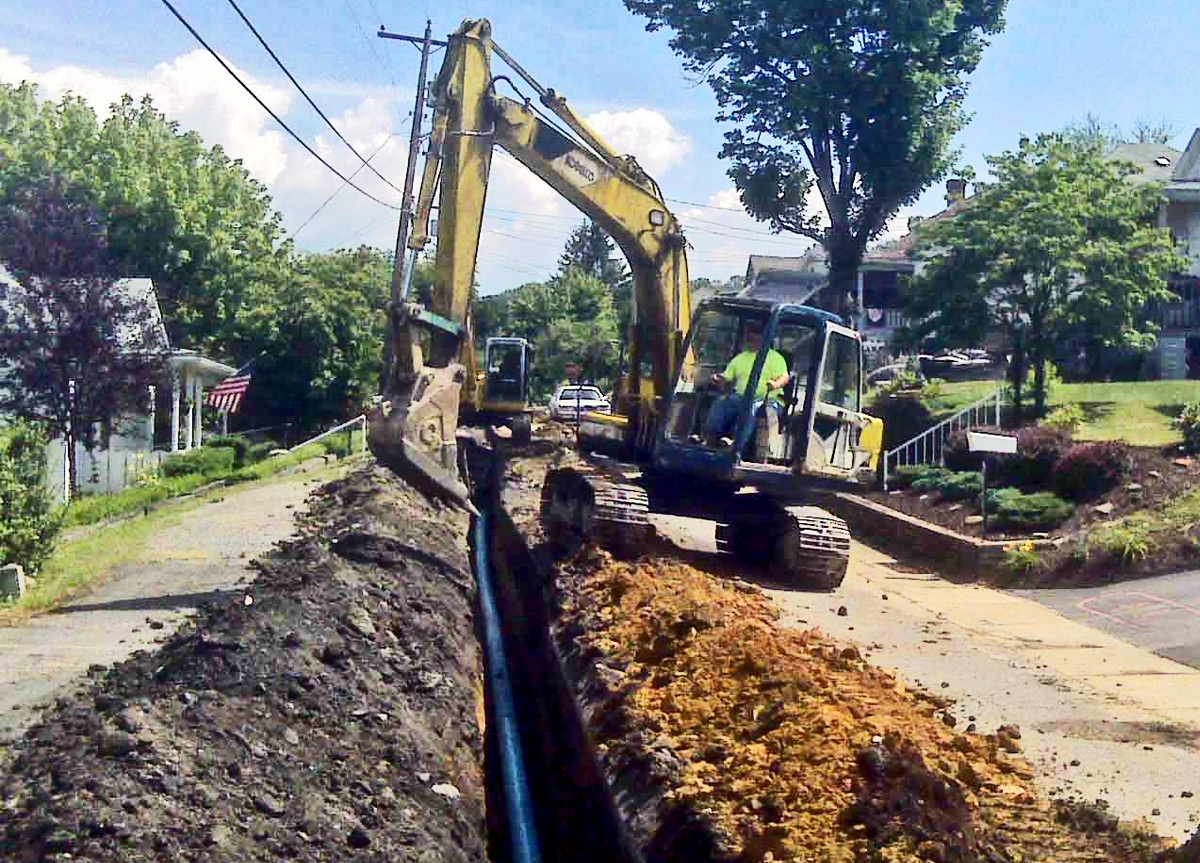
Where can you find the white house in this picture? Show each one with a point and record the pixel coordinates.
(131, 443)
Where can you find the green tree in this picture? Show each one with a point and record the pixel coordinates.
(183, 214)
(858, 99)
(1063, 240)
(320, 330)
(78, 350)
(591, 250)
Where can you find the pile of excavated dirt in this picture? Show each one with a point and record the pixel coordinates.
(332, 712)
(779, 744)
(727, 737)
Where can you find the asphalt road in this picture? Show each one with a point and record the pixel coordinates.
(1160, 614)
(202, 556)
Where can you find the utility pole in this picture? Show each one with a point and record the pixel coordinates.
(401, 275)
(414, 142)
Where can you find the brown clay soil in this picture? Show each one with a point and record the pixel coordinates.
(331, 713)
(727, 737)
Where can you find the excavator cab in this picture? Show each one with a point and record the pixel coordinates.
(768, 436)
(504, 384)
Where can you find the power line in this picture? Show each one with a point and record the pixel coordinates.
(304, 93)
(339, 188)
(370, 44)
(707, 206)
(266, 108)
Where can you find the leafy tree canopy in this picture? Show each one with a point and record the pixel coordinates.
(858, 99)
(78, 350)
(1064, 241)
(183, 214)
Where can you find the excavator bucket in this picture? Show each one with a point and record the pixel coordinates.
(413, 433)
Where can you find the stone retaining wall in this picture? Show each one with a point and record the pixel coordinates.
(904, 534)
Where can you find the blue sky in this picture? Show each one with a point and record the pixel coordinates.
(1055, 61)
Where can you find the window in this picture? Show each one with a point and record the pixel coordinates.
(839, 385)
(590, 393)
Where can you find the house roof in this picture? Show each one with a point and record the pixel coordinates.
(137, 291)
(1187, 169)
(1157, 161)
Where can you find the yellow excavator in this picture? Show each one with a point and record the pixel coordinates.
(753, 472)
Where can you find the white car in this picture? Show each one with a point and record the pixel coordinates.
(568, 400)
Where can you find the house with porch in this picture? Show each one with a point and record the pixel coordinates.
(879, 300)
(134, 441)
(1178, 352)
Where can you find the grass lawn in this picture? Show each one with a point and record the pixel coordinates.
(1139, 412)
(80, 562)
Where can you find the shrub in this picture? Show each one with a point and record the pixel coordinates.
(239, 445)
(1088, 470)
(1041, 510)
(336, 445)
(931, 479)
(1038, 451)
(904, 417)
(907, 379)
(904, 477)
(204, 460)
(1065, 418)
(29, 525)
(1127, 542)
(1188, 424)
(1020, 558)
(959, 486)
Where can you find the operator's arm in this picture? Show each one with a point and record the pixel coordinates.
(730, 373)
(776, 372)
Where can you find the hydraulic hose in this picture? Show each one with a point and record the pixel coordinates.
(517, 798)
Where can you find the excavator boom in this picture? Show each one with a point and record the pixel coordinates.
(414, 429)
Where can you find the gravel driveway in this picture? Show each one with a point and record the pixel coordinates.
(146, 599)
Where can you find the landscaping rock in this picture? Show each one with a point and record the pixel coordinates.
(973, 519)
(1105, 508)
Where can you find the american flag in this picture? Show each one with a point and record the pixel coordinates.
(227, 395)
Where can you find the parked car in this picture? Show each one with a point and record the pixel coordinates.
(568, 400)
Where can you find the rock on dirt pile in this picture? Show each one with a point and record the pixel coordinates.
(329, 713)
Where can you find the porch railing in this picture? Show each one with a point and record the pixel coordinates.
(928, 446)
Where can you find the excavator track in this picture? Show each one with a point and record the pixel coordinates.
(800, 546)
(585, 505)
(812, 549)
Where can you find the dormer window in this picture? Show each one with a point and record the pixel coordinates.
(1163, 161)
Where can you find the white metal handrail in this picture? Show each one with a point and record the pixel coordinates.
(361, 418)
(929, 444)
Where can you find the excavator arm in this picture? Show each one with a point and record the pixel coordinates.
(413, 430)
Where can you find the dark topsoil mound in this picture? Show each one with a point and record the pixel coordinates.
(331, 713)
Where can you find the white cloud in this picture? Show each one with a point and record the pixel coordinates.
(644, 134)
(192, 89)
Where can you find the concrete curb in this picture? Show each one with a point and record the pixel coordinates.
(946, 547)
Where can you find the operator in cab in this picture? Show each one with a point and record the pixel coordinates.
(774, 377)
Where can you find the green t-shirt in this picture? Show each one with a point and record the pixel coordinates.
(739, 369)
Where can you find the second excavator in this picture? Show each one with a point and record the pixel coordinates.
(736, 414)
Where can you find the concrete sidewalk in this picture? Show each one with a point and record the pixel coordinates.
(1128, 674)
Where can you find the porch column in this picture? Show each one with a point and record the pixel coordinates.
(190, 426)
(199, 409)
(860, 300)
(224, 422)
(175, 410)
(150, 417)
